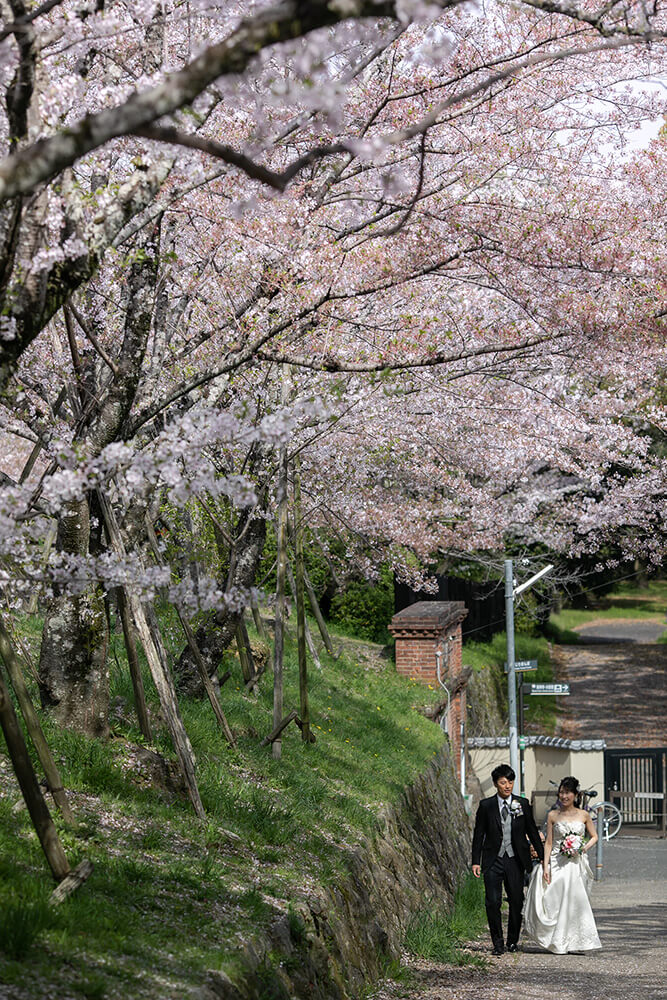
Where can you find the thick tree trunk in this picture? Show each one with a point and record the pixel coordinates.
(73, 672)
(217, 634)
(73, 662)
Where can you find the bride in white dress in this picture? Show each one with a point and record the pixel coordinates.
(558, 914)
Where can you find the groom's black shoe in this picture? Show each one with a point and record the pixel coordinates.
(512, 947)
(498, 950)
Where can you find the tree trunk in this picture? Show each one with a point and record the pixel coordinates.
(135, 667)
(73, 672)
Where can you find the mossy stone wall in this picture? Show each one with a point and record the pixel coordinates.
(335, 940)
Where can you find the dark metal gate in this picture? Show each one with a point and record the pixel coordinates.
(635, 781)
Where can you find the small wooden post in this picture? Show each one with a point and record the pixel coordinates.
(71, 882)
(246, 668)
(51, 771)
(205, 679)
(195, 650)
(306, 628)
(135, 668)
(257, 618)
(274, 735)
(301, 624)
(157, 663)
(321, 624)
(32, 795)
(278, 643)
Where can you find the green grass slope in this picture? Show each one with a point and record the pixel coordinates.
(169, 896)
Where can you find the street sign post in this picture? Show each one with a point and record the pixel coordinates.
(522, 665)
(547, 689)
(511, 592)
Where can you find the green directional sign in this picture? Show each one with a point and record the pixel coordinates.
(548, 688)
(521, 665)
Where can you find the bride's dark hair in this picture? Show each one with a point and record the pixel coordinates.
(571, 785)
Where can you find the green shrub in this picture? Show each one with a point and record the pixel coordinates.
(365, 609)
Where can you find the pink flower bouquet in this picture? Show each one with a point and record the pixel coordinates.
(572, 845)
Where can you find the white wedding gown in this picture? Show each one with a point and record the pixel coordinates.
(558, 916)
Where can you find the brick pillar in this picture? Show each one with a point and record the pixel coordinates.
(421, 631)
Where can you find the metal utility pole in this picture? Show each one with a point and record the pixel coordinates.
(511, 677)
(510, 593)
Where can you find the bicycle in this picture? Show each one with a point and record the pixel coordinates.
(612, 817)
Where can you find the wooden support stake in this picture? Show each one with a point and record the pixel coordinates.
(196, 652)
(274, 735)
(71, 882)
(309, 638)
(252, 683)
(301, 623)
(321, 624)
(257, 618)
(32, 795)
(246, 669)
(135, 667)
(250, 672)
(311, 735)
(205, 679)
(278, 644)
(151, 640)
(13, 665)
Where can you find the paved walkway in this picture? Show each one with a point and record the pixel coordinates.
(631, 914)
(618, 689)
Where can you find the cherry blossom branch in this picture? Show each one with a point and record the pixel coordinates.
(272, 178)
(23, 171)
(329, 364)
(280, 179)
(92, 338)
(22, 21)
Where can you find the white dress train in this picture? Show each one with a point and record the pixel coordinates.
(558, 916)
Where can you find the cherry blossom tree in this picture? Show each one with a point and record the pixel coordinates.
(426, 215)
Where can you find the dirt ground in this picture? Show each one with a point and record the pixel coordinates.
(617, 680)
(631, 915)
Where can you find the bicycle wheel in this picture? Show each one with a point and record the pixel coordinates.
(611, 819)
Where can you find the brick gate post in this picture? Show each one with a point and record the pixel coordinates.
(421, 631)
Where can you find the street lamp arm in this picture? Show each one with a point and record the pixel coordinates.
(533, 579)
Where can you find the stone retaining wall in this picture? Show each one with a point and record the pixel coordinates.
(335, 941)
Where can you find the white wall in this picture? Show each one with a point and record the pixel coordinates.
(541, 764)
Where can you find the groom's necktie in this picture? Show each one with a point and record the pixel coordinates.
(506, 845)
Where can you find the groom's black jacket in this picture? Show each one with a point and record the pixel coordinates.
(488, 834)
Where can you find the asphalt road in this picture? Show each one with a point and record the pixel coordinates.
(621, 630)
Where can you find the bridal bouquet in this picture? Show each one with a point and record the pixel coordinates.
(572, 845)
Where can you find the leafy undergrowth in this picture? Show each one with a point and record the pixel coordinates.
(170, 896)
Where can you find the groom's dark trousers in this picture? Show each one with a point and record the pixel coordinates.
(499, 871)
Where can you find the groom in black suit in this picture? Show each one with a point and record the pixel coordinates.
(501, 853)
